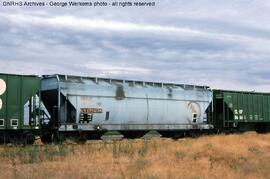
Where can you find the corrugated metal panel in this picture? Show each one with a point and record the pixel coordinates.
(248, 107)
(16, 90)
(241, 107)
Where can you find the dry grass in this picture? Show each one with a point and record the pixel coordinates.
(224, 156)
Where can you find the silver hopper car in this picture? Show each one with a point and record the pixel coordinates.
(87, 107)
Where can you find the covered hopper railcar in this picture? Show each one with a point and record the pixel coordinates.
(88, 107)
(240, 111)
(19, 108)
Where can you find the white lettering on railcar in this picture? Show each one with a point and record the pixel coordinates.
(240, 111)
(3, 88)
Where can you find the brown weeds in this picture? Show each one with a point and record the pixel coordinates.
(221, 156)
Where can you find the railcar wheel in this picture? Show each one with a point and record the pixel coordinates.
(29, 139)
(58, 138)
(55, 138)
(179, 135)
(261, 129)
(194, 134)
(14, 139)
(46, 138)
(81, 138)
(3, 138)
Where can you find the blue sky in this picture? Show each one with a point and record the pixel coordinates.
(223, 44)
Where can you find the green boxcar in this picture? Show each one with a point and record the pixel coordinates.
(19, 104)
(241, 110)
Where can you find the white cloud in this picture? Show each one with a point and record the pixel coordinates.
(108, 69)
(84, 24)
(222, 44)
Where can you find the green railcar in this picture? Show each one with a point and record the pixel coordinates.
(240, 110)
(19, 108)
